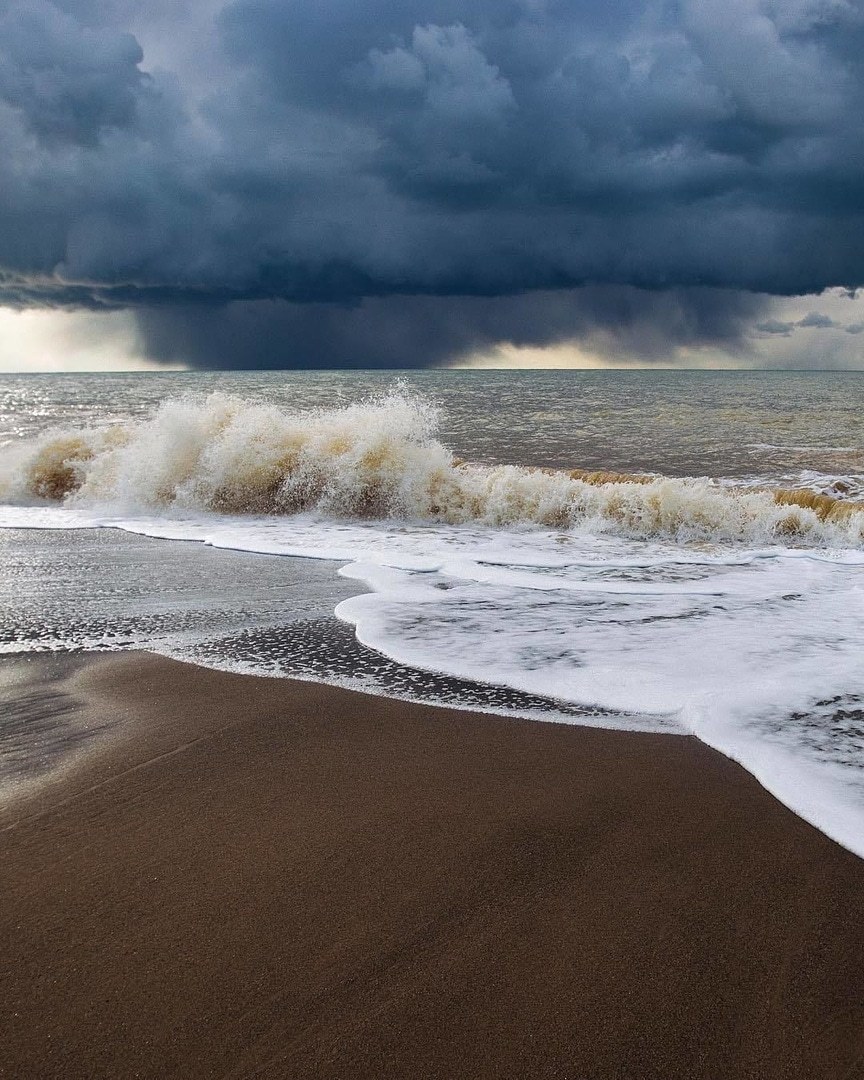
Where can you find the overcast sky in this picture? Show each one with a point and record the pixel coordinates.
(398, 183)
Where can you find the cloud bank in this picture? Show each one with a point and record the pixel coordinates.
(396, 182)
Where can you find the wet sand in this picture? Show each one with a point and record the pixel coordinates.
(262, 878)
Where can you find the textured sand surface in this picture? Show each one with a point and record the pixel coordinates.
(261, 878)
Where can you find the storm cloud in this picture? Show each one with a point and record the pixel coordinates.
(281, 183)
(619, 322)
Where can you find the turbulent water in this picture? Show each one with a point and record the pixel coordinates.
(679, 552)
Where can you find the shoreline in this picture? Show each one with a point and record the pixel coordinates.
(270, 878)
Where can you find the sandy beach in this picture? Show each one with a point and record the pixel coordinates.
(262, 878)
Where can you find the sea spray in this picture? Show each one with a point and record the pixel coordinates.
(381, 460)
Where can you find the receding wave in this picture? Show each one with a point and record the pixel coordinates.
(382, 460)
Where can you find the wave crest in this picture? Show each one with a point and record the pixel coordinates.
(381, 459)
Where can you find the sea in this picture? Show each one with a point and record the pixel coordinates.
(678, 552)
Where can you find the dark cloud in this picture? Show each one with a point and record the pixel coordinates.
(66, 81)
(775, 326)
(350, 168)
(395, 332)
(815, 320)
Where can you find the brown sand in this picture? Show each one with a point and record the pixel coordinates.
(271, 879)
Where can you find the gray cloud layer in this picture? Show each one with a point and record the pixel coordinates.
(328, 170)
(384, 331)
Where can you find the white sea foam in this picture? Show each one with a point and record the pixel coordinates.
(762, 661)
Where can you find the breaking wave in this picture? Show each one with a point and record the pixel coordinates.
(381, 459)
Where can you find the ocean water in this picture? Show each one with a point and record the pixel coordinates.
(677, 552)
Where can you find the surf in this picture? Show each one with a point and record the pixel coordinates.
(382, 460)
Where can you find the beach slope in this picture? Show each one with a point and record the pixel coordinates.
(263, 878)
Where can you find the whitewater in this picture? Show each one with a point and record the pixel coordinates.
(729, 608)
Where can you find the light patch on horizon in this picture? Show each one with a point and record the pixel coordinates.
(41, 340)
(812, 332)
(506, 355)
(568, 354)
(573, 356)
